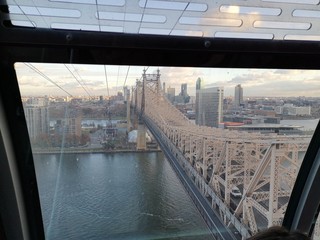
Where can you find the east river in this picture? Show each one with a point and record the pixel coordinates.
(115, 196)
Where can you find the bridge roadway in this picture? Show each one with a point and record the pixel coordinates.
(216, 226)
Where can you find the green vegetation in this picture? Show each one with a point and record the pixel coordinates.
(47, 141)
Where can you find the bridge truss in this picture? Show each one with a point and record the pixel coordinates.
(263, 166)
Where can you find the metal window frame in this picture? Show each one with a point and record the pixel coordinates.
(21, 217)
(303, 207)
(63, 46)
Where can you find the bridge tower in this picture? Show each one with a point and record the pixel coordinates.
(134, 102)
(150, 82)
(141, 135)
(128, 112)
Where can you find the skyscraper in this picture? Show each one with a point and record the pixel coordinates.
(209, 106)
(171, 94)
(198, 83)
(198, 87)
(126, 93)
(183, 96)
(184, 90)
(37, 117)
(238, 96)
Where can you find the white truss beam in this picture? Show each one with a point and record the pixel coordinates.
(263, 167)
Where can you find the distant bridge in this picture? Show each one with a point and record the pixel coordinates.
(263, 166)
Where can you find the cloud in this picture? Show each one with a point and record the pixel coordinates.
(174, 77)
(279, 83)
(255, 82)
(30, 81)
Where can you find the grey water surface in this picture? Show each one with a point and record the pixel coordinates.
(115, 196)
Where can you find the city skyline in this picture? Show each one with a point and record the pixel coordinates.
(91, 80)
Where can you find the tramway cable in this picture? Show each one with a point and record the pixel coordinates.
(78, 81)
(34, 68)
(80, 78)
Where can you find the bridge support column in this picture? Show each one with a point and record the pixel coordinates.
(128, 114)
(141, 137)
(274, 186)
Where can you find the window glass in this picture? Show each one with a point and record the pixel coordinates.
(316, 231)
(269, 19)
(239, 136)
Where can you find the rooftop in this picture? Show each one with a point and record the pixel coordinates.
(266, 126)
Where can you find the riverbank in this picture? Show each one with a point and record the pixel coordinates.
(87, 150)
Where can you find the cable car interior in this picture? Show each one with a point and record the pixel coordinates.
(272, 36)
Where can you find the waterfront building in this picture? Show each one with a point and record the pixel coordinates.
(290, 109)
(70, 124)
(209, 106)
(37, 116)
(238, 96)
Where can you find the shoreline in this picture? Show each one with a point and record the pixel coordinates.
(93, 150)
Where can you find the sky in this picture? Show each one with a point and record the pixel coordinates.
(85, 80)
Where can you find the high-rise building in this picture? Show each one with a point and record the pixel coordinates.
(209, 106)
(171, 94)
(183, 96)
(70, 124)
(198, 83)
(238, 96)
(126, 93)
(197, 108)
(37, 116)
(184, 90)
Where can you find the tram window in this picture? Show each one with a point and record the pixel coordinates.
(244, 129)
(77, 114)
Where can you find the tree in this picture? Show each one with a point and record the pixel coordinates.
(87, 111)
(109, 144)
(84, 139)
(42, 141)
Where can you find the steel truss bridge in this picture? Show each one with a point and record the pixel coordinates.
(263, 166)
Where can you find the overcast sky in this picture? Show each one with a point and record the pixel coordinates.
(91, 80)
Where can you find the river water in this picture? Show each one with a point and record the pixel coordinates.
(307, 124)
(115, 196)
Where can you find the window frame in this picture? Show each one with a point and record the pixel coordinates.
(64, 46)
